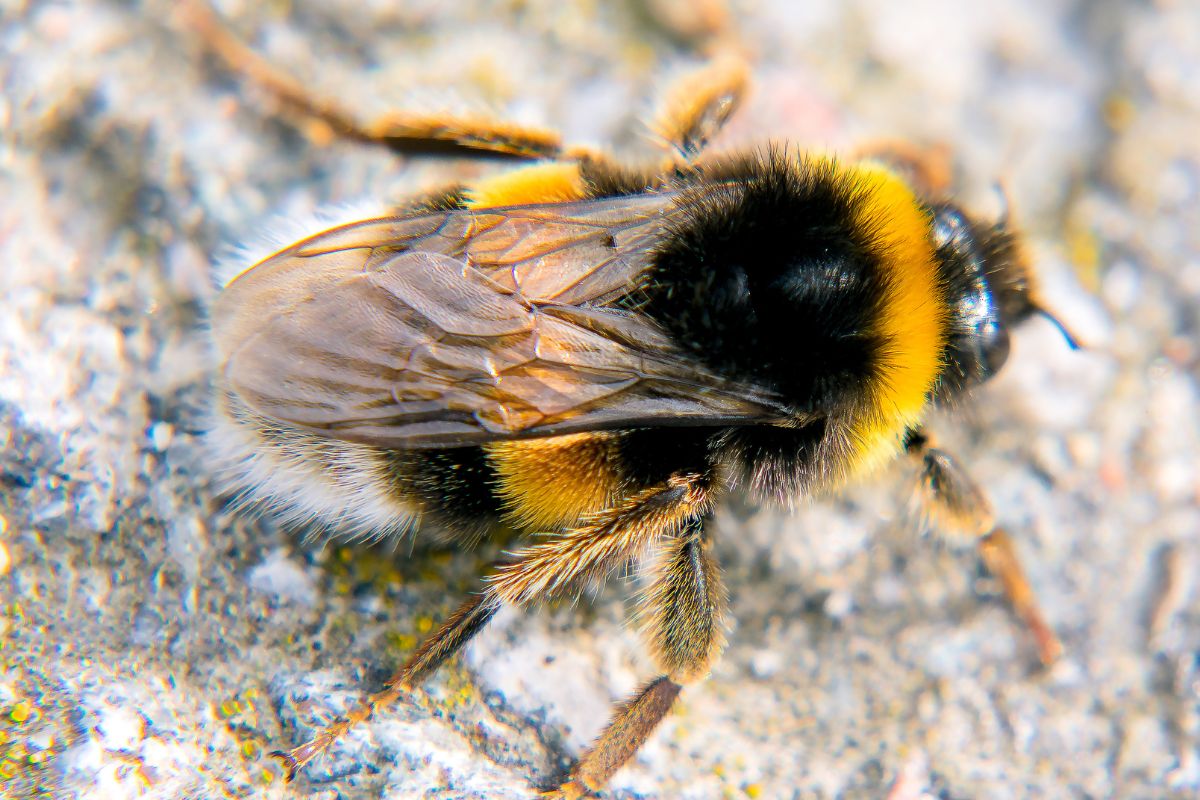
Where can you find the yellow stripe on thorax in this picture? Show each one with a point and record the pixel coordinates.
(913, 319)
(550, 182)
(551, 483)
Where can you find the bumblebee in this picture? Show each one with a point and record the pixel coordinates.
(595, 354)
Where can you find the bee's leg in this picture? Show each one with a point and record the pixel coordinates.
(952, 504)
(682, 614)
(696, 106)
(564, 561)
(557, 563)
(631, 725)
(401, 132)
(468, 620)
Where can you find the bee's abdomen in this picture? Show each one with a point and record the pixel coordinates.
(454, 487)
(353, 489)
(541, 484)
(306, 479)
(553, 482)
(360, 490)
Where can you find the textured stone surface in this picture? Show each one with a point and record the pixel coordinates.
(156, 644)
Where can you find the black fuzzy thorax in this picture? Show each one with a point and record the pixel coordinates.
(764, 277)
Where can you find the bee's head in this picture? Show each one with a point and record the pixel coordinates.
(989, 288)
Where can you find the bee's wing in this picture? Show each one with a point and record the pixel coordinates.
(463, 327)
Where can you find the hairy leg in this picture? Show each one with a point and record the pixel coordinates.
(954, 505)
(929, 168)
(691, 112)
(463, 624)
(560, 563)
(682, 619)
(399, 131)
(697, 105)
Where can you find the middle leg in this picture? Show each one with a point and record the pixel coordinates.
(402, 132)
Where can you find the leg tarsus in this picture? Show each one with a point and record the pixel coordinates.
(998, 554)
(631, 725)
(953, 505)
(455, 632)
(401, 132)
(289, 764)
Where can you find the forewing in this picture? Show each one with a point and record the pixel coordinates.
(463, 327)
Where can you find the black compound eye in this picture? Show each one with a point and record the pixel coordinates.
(993, 348)
(981, 330)
(979, 344)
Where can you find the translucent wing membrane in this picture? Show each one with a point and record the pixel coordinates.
(462, 327)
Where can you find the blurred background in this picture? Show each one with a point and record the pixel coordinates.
(155, 644)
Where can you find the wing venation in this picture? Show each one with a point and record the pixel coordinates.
(461, 327)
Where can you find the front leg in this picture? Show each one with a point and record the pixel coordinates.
(953, 505)
(682, 614)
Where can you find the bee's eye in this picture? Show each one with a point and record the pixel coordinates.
(980, 330)
(993, 347)
(979, 337)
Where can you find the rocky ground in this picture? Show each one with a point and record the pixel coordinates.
(156, 644)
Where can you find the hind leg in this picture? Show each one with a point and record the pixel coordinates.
(556, 564)
(682, 614)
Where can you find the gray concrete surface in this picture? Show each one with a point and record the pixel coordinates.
(155, 644)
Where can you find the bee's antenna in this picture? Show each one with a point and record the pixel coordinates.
(1072, 341)
(1005, 205)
